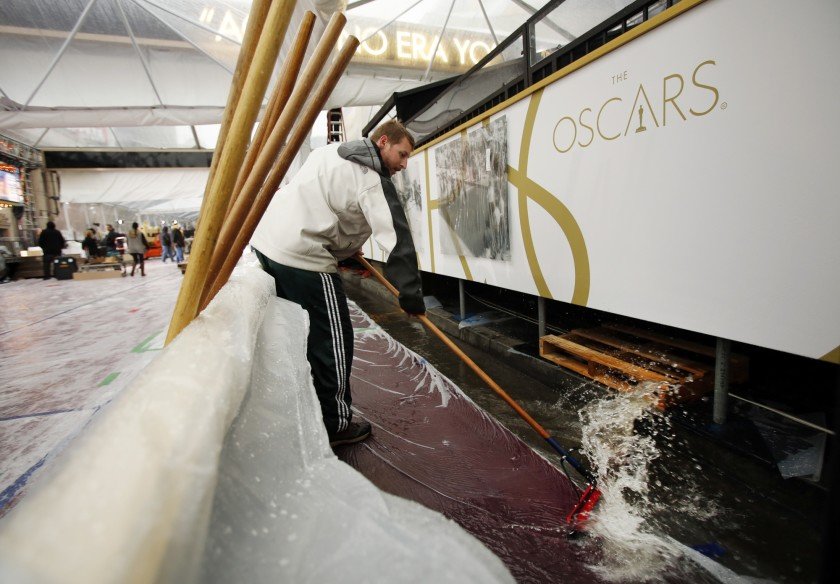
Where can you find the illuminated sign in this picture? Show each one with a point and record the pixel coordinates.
(409, 46)
(10, 190)
(400, 45)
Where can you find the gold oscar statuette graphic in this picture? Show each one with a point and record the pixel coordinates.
(641, 127)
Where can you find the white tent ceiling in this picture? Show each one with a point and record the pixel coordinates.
(174, 186)
(154, 74)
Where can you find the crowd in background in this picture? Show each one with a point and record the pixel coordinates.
(139, 242)
(172, 242)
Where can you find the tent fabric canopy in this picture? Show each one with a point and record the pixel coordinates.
(155, 74)
(80, 64)
(158, 190)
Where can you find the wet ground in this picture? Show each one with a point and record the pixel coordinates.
(67, 347)
(671, 486)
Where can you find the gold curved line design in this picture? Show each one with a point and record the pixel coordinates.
(832, 356)
(466, 267)
(456, 243)
(528, 189)
(461, 255)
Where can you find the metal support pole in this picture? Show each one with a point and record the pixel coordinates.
(528, 51)
(541, 315)
(721, 380)
(462, 300)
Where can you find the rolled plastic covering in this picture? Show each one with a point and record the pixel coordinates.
(230, 402)
(129, 499)
(432, 444)
(287, 510)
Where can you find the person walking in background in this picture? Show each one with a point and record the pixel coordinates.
(111, 239)
(165, 240)
(137, 246)
(178, 242)
(51, 242)
(90, 244)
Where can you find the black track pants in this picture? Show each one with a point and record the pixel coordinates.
(329, 347)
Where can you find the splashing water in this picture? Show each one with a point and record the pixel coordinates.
(621, 459)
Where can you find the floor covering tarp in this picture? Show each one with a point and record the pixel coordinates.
(433, 445)
(213, 465)
(283, 504)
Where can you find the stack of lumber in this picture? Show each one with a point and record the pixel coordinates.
(622, 357)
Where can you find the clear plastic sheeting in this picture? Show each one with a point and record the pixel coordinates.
(434, 445)
(67, 348)
(470, 90)
(121, 63)
(134, 497)
(287, 510)
(129, 499)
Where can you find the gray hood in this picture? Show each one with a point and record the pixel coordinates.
(363, 152)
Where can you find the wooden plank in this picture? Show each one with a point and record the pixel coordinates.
(668, 341)
(613, 369)
(738, 364)
(567, 361)
(98, 274)
(667, 360)
(631, 358)
(550, 343)
(102, 267)
(586, 370)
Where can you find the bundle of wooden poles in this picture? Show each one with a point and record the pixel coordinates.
(243, 178)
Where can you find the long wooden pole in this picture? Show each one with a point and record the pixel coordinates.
(214, 208)
(254, 212)
(282, 91)
(245, 204)
(253, 31)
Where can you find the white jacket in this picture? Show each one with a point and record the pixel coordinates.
(341, 196)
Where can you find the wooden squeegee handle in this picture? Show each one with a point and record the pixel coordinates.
(463, 356)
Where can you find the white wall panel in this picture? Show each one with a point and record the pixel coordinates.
(722, 215)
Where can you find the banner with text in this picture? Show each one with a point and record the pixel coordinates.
(685, 178)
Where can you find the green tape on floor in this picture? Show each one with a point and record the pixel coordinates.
(144, 346)
(370, 329)
(111, 377)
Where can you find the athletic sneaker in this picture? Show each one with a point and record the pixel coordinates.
(355, 432)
